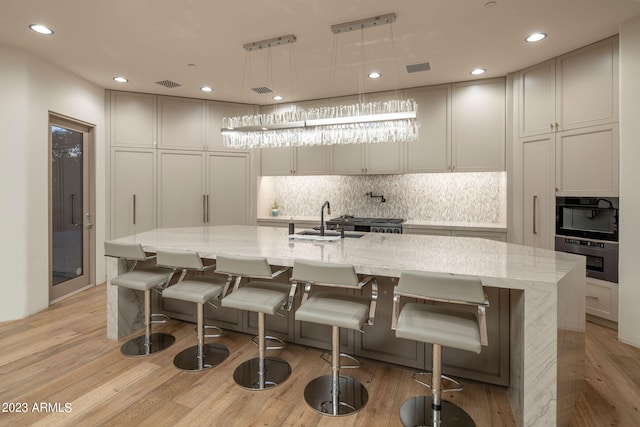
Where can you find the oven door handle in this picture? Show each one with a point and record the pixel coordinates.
(535, 199)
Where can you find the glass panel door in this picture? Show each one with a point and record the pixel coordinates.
(69, 206)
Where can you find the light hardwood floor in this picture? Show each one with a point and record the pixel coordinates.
(61, 356)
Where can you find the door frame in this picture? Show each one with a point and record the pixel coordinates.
(89, 129)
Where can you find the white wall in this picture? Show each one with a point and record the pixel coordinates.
(629, 275)
(32, 87)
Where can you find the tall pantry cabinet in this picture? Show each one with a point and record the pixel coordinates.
(567, 134)
(168, 167)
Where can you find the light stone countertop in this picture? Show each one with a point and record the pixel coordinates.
(547, 302)
(376, 253)
(409, 224)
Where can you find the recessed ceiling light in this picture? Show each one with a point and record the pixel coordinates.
(535, 37)
(278, 98)
(206, 89)
(375, 75)
(42, 29)
(478, 71)
(120, 79)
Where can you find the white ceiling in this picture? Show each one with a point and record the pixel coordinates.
(152, 40)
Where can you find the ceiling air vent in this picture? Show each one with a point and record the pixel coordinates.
(261, 90)
(415, 68)
(168, 84)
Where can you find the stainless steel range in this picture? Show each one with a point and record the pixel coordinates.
(374, 225)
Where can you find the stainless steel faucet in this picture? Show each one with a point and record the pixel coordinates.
(322, 216)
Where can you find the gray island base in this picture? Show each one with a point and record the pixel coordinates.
(546, 303)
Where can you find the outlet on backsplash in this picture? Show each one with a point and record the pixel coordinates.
(463, 197)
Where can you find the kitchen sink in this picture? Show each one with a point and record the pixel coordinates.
(348, 234)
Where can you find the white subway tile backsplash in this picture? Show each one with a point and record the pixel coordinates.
(463, 197)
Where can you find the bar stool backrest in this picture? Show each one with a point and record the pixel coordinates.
(245, 266)
(132, 251)
(179, 258)
(441, 287)
(324, 273)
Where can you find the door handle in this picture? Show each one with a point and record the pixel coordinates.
(535, 199)
(207, 209)
(134, 209)
(73, 211)
(204, 208)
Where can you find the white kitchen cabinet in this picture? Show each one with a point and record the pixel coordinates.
(432, 151)
(133, 119)
(216, 111)
(282, 161)
(587, 161)
(537, 164)
(367, 159)
(133, 191)
(576, 90)
(601, 299)
(181, 188)
(227, 190)
(181, 123)
(478, 126)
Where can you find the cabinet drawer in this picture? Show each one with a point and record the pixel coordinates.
(602, 299)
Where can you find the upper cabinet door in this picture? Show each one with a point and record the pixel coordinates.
(587, 86)
(133, 119)
(478, 126)
(537, 99)
(430, 153)
(182, 123)
(383, 157)
(216, 111)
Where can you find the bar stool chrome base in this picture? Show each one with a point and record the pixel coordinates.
(187, 359)
(418, 411)
(351, 398)
(276, 371)
(157, 342)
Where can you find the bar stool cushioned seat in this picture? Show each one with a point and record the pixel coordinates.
(143, 280)
(200, 290)
(262, 297)
(334, 395)
(445, 324)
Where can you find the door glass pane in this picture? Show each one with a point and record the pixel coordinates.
(67, 203)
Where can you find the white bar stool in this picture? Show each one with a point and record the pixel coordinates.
(335, 395)
(143, 280)
(262, 297)
(199, 290)
(448, 325)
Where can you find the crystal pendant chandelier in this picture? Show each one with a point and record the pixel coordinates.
(364, 122)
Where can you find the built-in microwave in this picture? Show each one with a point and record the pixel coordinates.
(587, 217)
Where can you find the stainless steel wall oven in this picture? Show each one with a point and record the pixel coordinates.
(589, 226)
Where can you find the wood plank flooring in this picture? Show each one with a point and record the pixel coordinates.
(60, 365)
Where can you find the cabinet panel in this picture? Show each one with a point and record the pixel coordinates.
(182, 123)
(276, 161)
(181, 186)
(538, 170)
(601, 299)
(587, 161)
(133, 119)
(312, 160)
(133, 191)
(478, 126)
(383, 158)
(216, 111)
(347, 159)
(587, 86)
(537, 99)
(228, 189)
(430, 153)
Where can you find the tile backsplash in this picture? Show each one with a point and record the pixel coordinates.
(463, 197)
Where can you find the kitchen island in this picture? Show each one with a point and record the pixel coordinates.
(546, 308)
